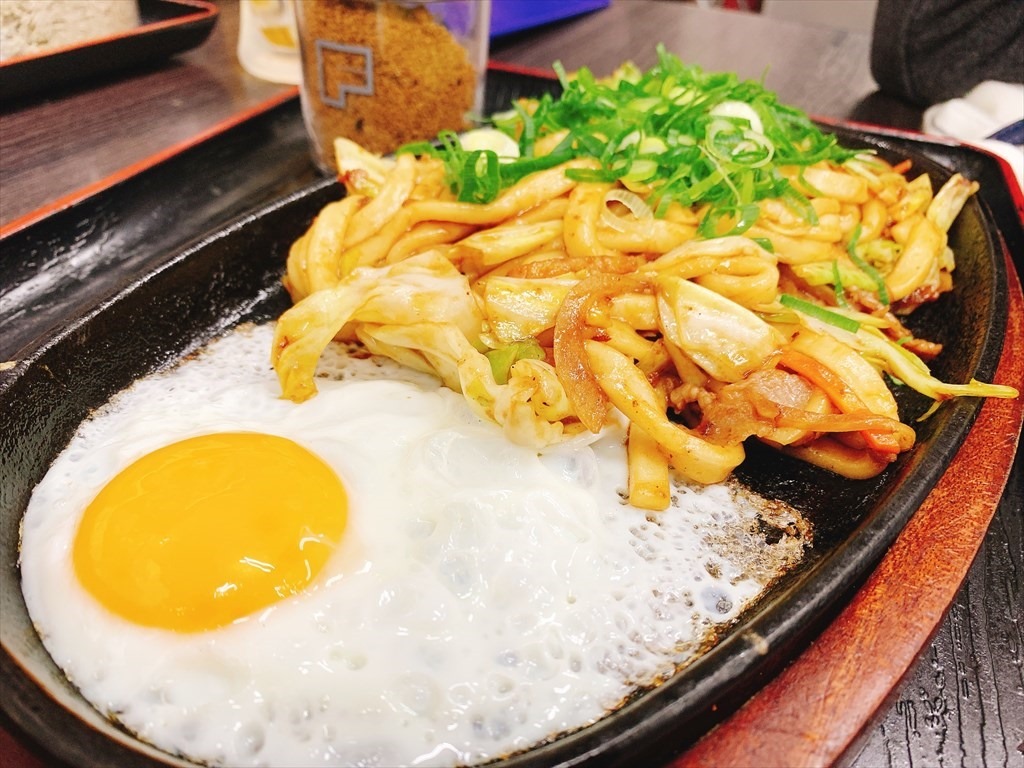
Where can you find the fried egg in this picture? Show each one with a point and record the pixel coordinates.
(372, 577)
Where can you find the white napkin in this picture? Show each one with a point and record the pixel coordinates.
(985, 109)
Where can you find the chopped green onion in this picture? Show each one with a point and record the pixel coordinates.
(741, 218)
(659, 128)
(480, 176)
(592, 174)
(837, 284)
(819, 313)
(863, 266)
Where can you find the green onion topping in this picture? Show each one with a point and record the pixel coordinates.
(676, 132)
(863, 266)
(819, 313)
(837, 284)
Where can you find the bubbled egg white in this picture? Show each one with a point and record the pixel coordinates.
(482, 599)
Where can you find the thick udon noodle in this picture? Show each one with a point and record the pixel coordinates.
(562, 300)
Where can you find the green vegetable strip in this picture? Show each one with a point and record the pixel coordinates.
(819, 313)
(503, 358)
(863, 266)
(837, 284)
(657, 128)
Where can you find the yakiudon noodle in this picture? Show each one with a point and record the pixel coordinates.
(595, 282)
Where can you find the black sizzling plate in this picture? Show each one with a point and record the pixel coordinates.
(165, 27)
(177, 298)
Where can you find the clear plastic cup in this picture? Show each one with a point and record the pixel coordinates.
(387, 72)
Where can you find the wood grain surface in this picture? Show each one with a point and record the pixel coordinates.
(55, 143)
(717, 40)
(962, 702)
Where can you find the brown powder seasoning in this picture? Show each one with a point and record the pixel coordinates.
(381, 73)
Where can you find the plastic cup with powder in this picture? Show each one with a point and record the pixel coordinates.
(387, 72)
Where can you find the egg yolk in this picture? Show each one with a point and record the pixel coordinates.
(205, 531)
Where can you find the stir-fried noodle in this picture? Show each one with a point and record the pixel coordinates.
(592, 284)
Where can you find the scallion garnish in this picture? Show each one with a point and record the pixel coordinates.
(867, 269)
(837, 284)
(683, 134)
(819, 313)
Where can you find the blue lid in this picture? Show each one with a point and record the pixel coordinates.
(509, 16)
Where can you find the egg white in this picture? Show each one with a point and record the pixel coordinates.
(484, 597)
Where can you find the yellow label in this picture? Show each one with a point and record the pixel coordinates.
(280, 36)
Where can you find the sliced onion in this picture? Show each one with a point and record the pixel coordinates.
(503, 145)
(636, 205)
(741, 110)
(572, 365)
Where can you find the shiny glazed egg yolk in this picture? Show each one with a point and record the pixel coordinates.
(210, 529)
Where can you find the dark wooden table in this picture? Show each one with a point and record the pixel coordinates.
(963, 701)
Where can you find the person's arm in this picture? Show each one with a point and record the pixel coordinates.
(928, 51)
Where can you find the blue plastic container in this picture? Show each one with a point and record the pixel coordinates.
(508, 16)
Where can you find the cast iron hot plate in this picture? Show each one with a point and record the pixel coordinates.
(150, 310)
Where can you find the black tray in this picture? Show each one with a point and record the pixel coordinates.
(165, 27)
(189, 274)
